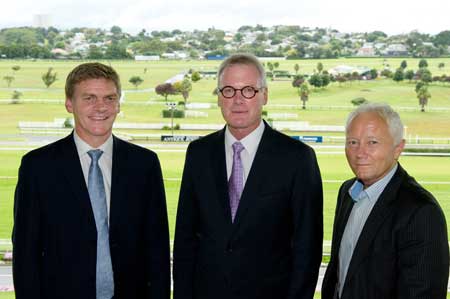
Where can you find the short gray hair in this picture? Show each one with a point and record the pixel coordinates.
(386, 113)
(246, 59)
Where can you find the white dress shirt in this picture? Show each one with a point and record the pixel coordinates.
(250, 143)
(105, 162)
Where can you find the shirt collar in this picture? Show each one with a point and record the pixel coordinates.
(357, 191)
(250, 142)
(83, 147)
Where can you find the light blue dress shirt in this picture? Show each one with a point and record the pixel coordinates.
(365, 200)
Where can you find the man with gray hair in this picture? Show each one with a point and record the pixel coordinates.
(390, 235)
(249, 221)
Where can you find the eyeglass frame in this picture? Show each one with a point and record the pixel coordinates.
(255, 90)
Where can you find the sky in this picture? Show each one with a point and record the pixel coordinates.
(389, 16)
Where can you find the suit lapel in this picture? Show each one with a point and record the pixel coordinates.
(379, 213)
(219, 166)
(118, 183)
(73, 173)
(254, 179)
(346, 205)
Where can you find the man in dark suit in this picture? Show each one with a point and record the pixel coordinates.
(90, 217)
(249, 221)
(389, 236)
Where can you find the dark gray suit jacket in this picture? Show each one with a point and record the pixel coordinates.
(274, 247)
(402, 251)
(55, 236)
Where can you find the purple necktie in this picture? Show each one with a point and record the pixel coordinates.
(236, 182)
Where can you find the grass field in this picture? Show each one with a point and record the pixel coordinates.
(136, 109)
(328, 106)
(432, 171)
(321, 107)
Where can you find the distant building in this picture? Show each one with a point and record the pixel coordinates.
(395, 50)
(367, 50)
(347, 69)
(60, 53)
(146, 57)
(228, 36)
(175, 55)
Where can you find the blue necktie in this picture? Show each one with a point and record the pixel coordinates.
(104, 275)
(236, 182)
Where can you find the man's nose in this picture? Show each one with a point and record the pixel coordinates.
(238, 97)
(100, 104)
(361, 150)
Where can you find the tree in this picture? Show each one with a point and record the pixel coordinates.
(441, 65)
(49, 77)
(276, 64)
(296, 68)
(359, 101)
(319, 67)
(195, 76)
(15, 97)
(15, 68)
(404, 64)
(386, 73)
(423, 63)
(423, 95)
(409, 75)
(442, 38)
(94, 52)
(298, 80)
(325, 79)
(165, 90)
(424, 75)
(398, 75)
(116, 51)
(373, 74)
(303, 92)
(419, 85)
(116, 30)
(136, 81)
(183, 87)
(9, 80)
(316, 80)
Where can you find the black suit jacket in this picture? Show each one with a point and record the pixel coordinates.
(402, 251)
(55, 236)
(274, 247)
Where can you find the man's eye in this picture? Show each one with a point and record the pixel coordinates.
(373, 142)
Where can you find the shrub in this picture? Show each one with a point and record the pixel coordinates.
(359, 101)
(15, 97)
(68, 123)
(166, 113)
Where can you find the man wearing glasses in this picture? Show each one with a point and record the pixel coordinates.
(249, 222)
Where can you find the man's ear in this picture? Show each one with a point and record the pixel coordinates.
(266, 95)
(68, 105)
(399, 149)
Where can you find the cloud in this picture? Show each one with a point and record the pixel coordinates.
(398, 16)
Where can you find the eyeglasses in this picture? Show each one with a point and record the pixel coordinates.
(247, 92)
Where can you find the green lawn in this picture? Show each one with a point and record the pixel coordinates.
(334, 169)
(321, 110)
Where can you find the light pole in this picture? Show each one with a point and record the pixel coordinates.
(172, 106)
